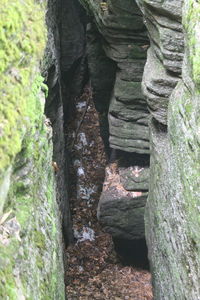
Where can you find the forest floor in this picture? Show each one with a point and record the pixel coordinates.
(94, 270)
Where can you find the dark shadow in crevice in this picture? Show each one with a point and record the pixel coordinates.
(126, 159)
(132, 252)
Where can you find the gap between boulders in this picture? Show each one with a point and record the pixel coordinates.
(94, 270)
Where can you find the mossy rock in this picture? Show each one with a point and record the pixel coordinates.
(22, 41)
(31, 265)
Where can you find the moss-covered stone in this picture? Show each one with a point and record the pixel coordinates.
(22, 40)
(31, 265)
(191, 20)
(36, 256)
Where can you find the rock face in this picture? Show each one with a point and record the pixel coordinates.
(118, 38)
(65, 70)
(172, 212)
(121, 42)
(117, 44)
(31, 265)
(136, 88)
(163, 68)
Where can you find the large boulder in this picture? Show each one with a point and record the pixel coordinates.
(122, 202)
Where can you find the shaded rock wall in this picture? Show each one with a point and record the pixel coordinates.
(31, 264)
(164, 62)
(117, 44)
(65, 71)
(172, 212)
(124, 41)
(118, 35)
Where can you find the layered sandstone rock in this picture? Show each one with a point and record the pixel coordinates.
(117, 47)
(122, 43)
(164, 61)
(172, 207)
(172, 210)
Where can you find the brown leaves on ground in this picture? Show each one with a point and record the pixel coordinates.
(112, 179)
(93, 269)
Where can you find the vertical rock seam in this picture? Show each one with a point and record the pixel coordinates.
(65, 71)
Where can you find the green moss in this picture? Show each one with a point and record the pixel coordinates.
(8, 289)
(191, 21)
(26, 150)
(39, 262)
(39, 239)
(7, 284)
(21, 45)
(34, 207)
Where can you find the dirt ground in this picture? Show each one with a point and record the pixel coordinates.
(94, 270)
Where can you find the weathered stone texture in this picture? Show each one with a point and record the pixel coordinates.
(122, 38)
(54, 110)
(122, 202)
(31, 264)
(117, 47)
(172, 212)
(65, 71)
(135, 180)
(165, 56)
(121, 214)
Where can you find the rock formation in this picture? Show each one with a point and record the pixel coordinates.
(172, 212)
(170, 87)
(117, 46)
(123, 42)
(64, 68)
(143, 63)
(31, 264)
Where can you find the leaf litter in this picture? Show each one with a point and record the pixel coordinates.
(94, 270)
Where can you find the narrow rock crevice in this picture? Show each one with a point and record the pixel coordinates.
(135, 74)
(87, 51)
(94, 259)
(114, 160)
(115, 65)
(132, 253)
(67, 74)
